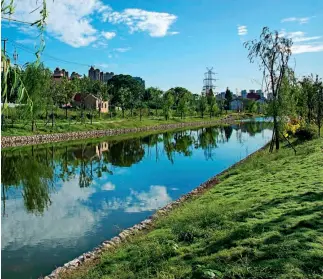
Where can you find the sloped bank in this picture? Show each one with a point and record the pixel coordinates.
(143, 226)
(13, 141)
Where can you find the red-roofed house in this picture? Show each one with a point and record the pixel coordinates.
(253, 96)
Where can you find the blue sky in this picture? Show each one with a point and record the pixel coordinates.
(169, 42)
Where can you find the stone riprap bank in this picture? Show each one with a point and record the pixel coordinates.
(12, 141)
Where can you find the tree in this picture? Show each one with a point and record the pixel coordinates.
(202, 105)
(168, 102)
(213, 108)
(125, 81)
(178, 93)
(183, 104)
(122, 95)
(69, 89)
(319, 104)
(228, 98)
(273, 52)
(11, 77)
(36, 79)
(152, 97)
(309, 95)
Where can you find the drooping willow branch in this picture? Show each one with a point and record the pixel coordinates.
(11, 81)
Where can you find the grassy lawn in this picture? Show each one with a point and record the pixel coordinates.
(263, 220)
(63, 126)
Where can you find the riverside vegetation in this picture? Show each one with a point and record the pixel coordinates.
(263, 220)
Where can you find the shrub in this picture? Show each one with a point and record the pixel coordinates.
(306, 133)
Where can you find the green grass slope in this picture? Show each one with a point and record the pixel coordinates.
(263, 220)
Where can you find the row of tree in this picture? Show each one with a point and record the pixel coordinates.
(45, 95)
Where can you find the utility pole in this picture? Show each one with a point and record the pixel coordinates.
(4, 45)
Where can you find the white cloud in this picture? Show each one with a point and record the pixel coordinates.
(300, 20)
(173, 33)
(108, 186)
(65, 220)
(68, 20)
(68, 218)
(242, 30)
(304, 48)
(298, 36)
(26, 42)
(108, 35)
(155, 198)
(122, 49)
(100, 44)
(155, 23)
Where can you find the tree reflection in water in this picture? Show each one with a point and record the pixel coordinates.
(36, 170)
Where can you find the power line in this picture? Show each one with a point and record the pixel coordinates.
(22, 47)
(17, 20)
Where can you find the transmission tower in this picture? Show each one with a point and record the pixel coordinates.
(209, 82)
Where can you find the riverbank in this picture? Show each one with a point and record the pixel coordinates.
(228, 232)
(119, 129)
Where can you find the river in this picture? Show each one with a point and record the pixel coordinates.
(61, 200)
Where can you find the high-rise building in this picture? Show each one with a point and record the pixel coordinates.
(91, 73)
(244, 94)
(94, 74)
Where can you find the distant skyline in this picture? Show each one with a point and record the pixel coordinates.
(168, 43)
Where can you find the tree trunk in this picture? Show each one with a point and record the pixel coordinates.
(33, 125)
(181, 115)
(65, 111)
(122, 113)
(140, 114)
(91, 114)
(52, 117)
(276, 130)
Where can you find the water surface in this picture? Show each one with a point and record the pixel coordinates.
(62, 200)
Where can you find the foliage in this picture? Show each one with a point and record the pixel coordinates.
(202, 105)
(273, 52)
(36, 79)
(124, 81)
(183, 104)
(292, 127)
(307, 132)
(168, 102)
(11, 81)
(228, 98)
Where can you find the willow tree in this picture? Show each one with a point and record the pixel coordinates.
(273, 52)
(11, 82)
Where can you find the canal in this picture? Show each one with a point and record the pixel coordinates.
(61, 200)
